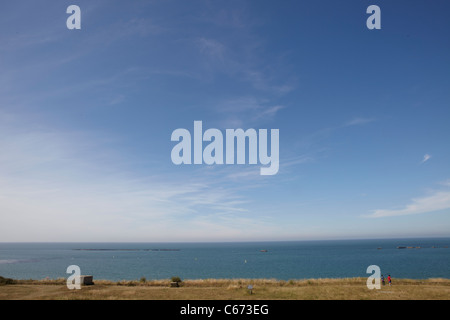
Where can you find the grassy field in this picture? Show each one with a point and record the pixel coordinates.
(226, 289)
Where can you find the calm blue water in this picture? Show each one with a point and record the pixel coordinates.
(283, 260)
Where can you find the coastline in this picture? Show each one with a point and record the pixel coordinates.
(229, 289)
(281, 260)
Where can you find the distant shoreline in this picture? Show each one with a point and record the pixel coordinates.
(117, 249)
(232, 241)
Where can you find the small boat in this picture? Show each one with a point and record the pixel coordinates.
(263, 250)
(401, 247)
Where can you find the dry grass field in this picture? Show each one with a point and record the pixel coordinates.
(229, 289)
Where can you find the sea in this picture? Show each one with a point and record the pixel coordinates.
(283, 260)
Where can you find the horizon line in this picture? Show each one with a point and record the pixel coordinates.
(238, 241)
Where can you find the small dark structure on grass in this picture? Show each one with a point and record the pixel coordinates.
(87, 280)
(175, 282)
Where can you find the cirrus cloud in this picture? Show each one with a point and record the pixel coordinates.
(439, 200)
(426, 157)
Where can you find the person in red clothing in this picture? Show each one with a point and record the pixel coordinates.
(389, 279)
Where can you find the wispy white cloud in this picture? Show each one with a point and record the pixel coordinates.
(297, 160)
(60, 186)
(439, 200)
(248, 174)
(242, 54)
(269, 112)
(359, 121)
(426, 157)
(212, 48)
(315, 137)
(247, 112)
(261, 81)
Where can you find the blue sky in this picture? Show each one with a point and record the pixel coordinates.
(86, 118)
